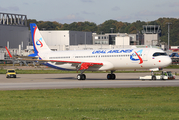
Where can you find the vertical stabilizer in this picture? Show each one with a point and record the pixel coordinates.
(37, 40)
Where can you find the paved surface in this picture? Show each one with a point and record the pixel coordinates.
(94, 80)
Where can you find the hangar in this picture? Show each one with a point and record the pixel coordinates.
(13, 30)
(62, 39)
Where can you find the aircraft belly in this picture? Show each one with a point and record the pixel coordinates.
(106, 66)
(65, 66)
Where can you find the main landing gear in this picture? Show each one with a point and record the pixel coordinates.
(81, 76)
(111, 76)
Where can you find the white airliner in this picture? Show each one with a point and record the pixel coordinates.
(102, 60)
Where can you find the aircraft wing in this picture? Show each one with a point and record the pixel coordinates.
(24, 57)
(80, 65)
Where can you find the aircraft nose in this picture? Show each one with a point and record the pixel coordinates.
(168, 61)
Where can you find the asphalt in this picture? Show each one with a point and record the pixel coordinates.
(68, 81)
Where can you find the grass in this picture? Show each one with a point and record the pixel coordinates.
(96, 103)
(173, 66)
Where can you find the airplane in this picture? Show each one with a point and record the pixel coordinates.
(98, 60)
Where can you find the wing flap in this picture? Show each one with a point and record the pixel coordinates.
(79, 65)
(86, 65)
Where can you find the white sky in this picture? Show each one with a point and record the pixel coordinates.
(97, 11)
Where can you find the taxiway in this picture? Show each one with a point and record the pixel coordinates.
(94, 80)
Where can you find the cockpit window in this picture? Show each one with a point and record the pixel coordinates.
(159, 54)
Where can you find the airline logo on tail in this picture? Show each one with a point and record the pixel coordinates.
(39, 42)
(138, 53)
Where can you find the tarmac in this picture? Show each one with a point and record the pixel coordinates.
(69, 80)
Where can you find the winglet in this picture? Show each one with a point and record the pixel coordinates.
(33, 55)
(8, 52)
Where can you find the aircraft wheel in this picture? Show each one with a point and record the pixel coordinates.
(113, 76)
(81, 76)
(109, 76)
(153, 77)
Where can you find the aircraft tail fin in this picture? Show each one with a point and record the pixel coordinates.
(37, 40)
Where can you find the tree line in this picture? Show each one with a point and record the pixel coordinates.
(116, 26)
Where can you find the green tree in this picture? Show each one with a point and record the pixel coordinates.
(118, 26)
(31, 21)
(106, 26)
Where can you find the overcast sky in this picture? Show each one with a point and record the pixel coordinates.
(97, 11)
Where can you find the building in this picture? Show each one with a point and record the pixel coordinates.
(125, 40)
(100, 39)
(13, 30)
(62, 39)
(110, 38)
(151, 34)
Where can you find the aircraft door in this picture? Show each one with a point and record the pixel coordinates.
(145, 54)
(73, 56)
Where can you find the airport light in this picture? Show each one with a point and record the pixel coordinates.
(168, 33)
(101, 39)
(111, 30)
(85, 40)
(123, 39)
